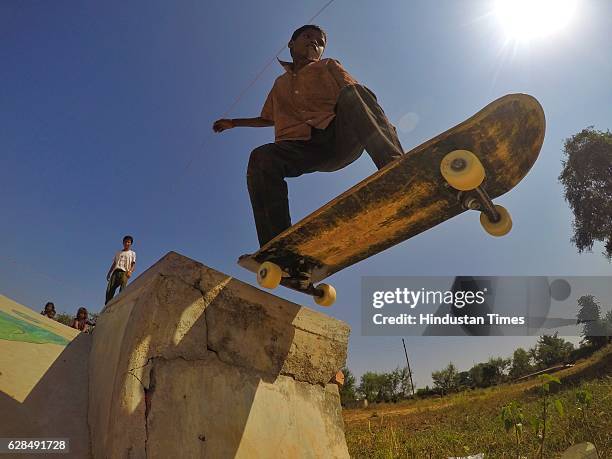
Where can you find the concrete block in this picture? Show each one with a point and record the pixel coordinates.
(189, 360)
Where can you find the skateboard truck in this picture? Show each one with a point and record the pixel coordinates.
(463, 171)
(271, 275)
(481, 202)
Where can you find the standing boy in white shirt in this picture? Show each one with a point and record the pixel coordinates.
(121, 269)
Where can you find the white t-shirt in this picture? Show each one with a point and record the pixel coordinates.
(124, 260)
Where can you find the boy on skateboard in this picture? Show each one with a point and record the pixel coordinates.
(323, 120)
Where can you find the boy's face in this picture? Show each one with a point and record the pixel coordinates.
(308, 45)
(127, 244)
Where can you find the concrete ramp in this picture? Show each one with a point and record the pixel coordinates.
(43, 379)
(188, 362)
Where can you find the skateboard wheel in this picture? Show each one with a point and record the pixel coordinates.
(328, 295)
(269, 275)
(462, 170)
(500, 228)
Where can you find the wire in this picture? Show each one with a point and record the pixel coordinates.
(56, 280)
(269, 63)
(248, 87)
(206, 139)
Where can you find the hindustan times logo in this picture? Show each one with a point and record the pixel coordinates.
(476, 305)
(413, 298)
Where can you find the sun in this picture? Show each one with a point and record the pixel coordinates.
(524, 20)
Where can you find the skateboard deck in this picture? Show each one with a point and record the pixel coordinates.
(410, 195)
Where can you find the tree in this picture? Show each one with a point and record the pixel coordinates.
(496, 369)
(551, 350)
(405, 386)
(385, 387)
(521, 363)
(593, 326)
(391, 386)
(447, 379)
(489, 373)
(587, 178)
(476, 375)
(371, 385)
(464, 380)
(348, 389)
(64, 318)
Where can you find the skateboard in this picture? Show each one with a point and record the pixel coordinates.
(462, 169)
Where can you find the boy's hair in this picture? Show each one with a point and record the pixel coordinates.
(128, 238)
(306, 27)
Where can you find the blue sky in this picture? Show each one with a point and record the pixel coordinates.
(105, 122)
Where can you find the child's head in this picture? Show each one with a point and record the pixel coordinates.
(49, 309)
(127, 242)
(308, 42)
(82, 313)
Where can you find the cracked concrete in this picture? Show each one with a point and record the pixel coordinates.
(188, 359)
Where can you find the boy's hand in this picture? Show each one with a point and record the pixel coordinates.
(223, 124)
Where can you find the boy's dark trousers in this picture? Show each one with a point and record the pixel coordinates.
(360, 123)
(117, 279)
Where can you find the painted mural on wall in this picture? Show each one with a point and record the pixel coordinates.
(21, 327)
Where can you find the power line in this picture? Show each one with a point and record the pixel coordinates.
(207, 138)
(249, 86)
(56, 280)
(269, 63)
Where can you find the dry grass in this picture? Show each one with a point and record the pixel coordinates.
(469, 423)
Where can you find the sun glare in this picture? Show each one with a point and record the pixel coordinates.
(524, 20)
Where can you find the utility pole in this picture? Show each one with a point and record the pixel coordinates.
(408, 363)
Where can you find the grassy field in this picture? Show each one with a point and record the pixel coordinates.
(468, 423)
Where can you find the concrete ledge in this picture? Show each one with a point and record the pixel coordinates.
(189, 359)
